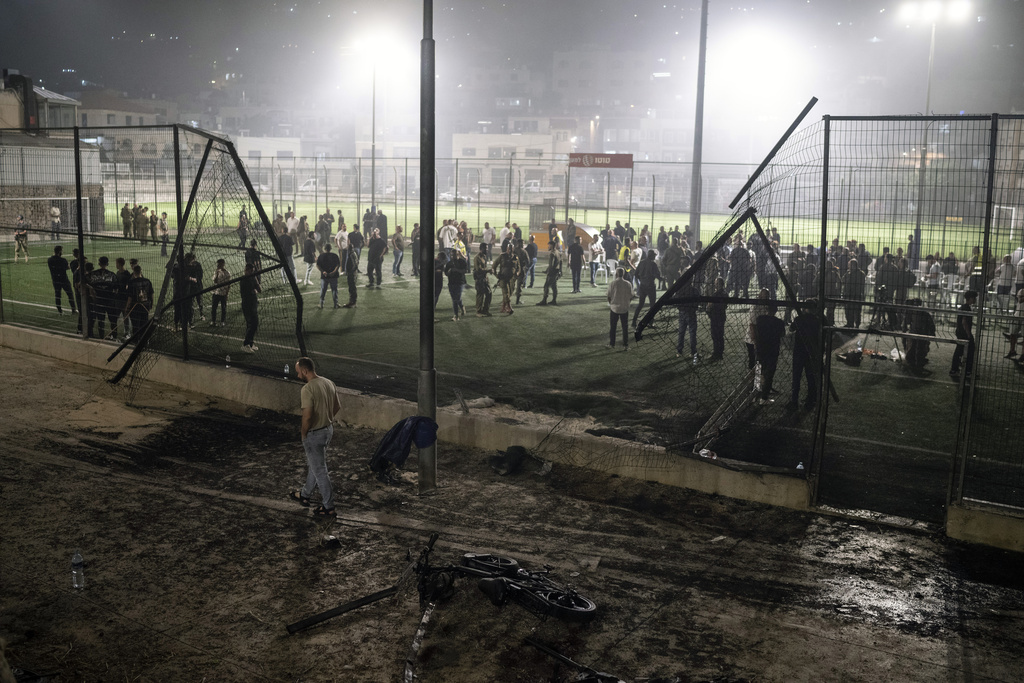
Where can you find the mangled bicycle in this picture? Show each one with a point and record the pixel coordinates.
(501, 579)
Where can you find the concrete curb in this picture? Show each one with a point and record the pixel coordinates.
(974, 524)
(570, 444)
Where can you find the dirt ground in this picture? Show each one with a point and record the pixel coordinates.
(196, 561)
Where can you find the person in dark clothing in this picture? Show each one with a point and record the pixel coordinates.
(918, 321)
(456, 270)
(249, 287)
(356, 242)
(309, 256)
(100, 284)
(687, 318)
(853, 292)
(381, 223)
(575, 253)
(523, 259)
(965, 330)
(716, 319)
(351, 270)
(552, 274)
(194, 270)
(329, 266)
(440, 261)
(770, 331)
(254, 258)
(58, 266)
(375, 257)
(531, 252)
(483, 287)
(122, 277)
(414, 239)
(806, 353)
(647, 276)
(140, 299)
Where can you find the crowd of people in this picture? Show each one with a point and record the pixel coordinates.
(122, 297)
(903, 286)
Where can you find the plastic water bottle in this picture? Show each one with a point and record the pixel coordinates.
(227, 361)
(286, 367)
(77, 570)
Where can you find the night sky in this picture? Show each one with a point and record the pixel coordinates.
(170, 48)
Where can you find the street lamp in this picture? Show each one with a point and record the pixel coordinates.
(932, 11)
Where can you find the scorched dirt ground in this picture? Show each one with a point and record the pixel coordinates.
(196, 561)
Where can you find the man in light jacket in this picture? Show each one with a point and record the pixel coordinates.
(620, 293)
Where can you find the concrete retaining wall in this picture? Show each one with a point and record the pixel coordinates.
(987, 526)
(474, 430)
(480, 430)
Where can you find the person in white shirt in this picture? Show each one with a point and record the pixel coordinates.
(503, 235)
(620, 293)
(1004, 279)
(446, 236)
(341, 239)
(933, 279)
(487, 239)
(596, 256)
(293, 229)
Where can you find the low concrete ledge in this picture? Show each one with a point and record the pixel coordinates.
(986, 525)
(569, 445)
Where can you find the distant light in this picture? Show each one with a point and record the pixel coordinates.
(661, 74)
(909, 11)
(932, 11)
(959, 10)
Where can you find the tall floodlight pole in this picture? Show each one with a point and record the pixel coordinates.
(924, 156)
(373, 139)
(931, 12)
(698, 126)
(427, 390)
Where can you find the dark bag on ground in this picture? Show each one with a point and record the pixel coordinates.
(393, 450)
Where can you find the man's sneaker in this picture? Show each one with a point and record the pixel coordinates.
(249, 349)
(213, 323)
(321, 305)
(696, 359)
(455, 319)
(223, 324)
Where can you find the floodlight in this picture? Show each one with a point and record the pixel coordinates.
(909, 11)
(958, 10)
(932, 11)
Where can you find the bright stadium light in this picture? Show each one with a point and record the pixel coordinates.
(386, 54)
(930, 12)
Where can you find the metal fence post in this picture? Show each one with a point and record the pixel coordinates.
(427, 386)
(956, 490)
(181, 247)
(83, 300)
(824, 368)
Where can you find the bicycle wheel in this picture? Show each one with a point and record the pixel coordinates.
(567, 605)
(500, 566)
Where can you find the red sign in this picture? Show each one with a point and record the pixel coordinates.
(577, 160)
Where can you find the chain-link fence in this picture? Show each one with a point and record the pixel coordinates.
(854, 391)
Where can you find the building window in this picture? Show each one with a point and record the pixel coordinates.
(469, 151)
(110, 119)
(534, 153)
(255, 154)
(85, 120)
(494, 152)
(141, 122)
(284, 154)
(128, 120)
